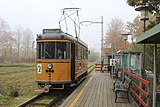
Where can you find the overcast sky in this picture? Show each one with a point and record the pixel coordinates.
(39, 14)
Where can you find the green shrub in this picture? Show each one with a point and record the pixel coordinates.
(14, 91)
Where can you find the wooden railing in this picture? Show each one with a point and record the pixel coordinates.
(139, 88)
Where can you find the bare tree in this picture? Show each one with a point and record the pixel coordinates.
(4, 27)
(15, 46)
(27, 44)
(5, 41)
(115, 29)
(19, 31)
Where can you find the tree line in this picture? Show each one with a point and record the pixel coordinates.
(15, 45)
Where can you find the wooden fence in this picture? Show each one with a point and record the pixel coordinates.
(101, 67)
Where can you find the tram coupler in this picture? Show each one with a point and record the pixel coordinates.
(46, 88)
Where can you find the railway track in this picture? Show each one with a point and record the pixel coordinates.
(53, 98)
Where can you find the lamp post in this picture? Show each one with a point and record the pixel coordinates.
(144, 8)
(144, 13)
(101, 22)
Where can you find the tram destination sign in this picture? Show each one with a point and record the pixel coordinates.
(45, 31)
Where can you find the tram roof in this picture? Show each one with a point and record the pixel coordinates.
(151, 36)
(59, 36)
(56, 36)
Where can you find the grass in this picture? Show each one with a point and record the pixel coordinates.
(16, 80)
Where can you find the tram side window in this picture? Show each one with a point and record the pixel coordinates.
(79, 52)
(87, 54)
(84, 54)
(76, 52)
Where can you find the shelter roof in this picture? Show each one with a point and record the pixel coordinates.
(151, 36)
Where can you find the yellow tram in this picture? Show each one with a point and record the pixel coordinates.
(61, 59)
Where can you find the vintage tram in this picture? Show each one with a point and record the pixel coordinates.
(61, 59)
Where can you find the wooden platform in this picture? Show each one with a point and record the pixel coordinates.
(95, 91)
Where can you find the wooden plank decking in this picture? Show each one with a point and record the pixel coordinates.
(95, 91)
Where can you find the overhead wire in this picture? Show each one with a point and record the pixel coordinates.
(71, 2)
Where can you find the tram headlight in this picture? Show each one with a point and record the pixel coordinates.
(49, 66)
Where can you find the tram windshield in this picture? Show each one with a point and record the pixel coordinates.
(53, 50)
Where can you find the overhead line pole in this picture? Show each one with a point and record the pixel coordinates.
(102, 54)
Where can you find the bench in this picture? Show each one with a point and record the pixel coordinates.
(116, 73)
(122, 87)
(117, 82)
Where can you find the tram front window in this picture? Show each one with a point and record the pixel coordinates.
(53, 50)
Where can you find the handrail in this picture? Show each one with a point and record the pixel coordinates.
(143, 92)
(145, 82)
(142, 102)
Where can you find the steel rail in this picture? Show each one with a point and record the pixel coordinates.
(30, 100)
